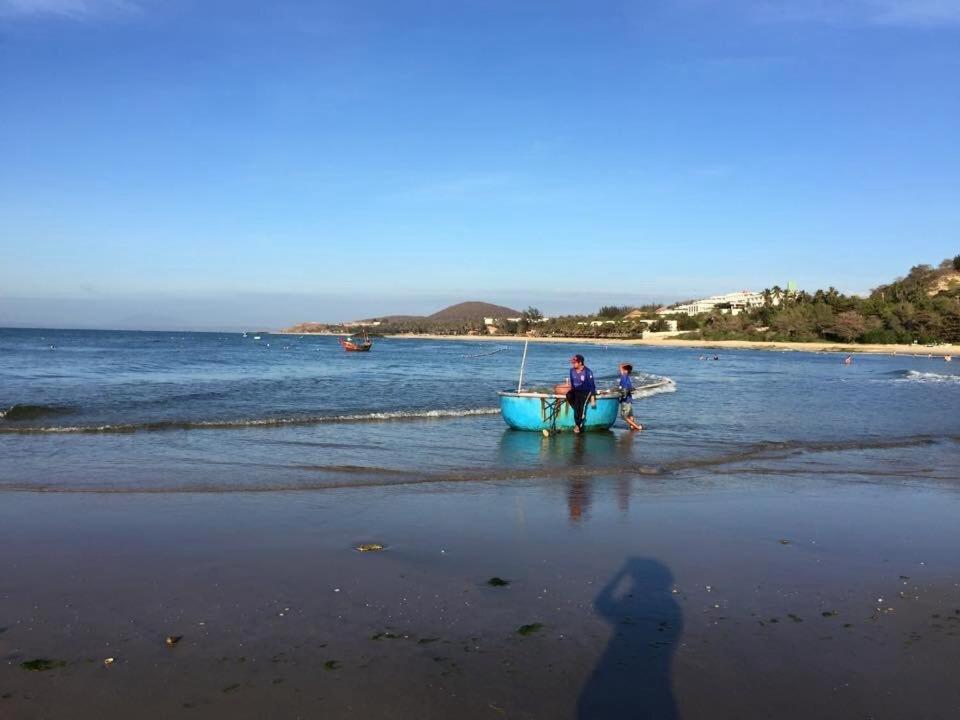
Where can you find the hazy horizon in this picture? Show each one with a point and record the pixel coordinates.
(272, 311)
(259, 311)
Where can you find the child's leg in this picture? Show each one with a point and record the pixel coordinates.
(628, 417)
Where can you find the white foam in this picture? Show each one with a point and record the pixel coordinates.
(259, 422)
(654, 385)
(928, 377)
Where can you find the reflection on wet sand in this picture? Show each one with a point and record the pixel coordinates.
(578, 498)
(633, 678)
(526, 449)
(570, 453)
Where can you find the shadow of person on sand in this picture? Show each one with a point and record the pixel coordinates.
(633, 678)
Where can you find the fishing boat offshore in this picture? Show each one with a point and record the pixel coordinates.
(350, 344)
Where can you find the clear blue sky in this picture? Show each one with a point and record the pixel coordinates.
(242, 162)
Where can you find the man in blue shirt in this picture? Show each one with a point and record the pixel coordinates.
(582, 388)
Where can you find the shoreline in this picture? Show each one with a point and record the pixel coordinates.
(911, 350)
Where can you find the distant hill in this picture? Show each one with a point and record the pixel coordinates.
(465, 312)
(472, 311)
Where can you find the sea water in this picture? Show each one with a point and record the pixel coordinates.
(216, 412)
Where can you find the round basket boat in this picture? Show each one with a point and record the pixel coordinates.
(539, 411)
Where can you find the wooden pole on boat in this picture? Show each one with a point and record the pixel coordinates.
(522, 363)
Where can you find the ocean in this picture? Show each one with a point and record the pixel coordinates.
(167, 411)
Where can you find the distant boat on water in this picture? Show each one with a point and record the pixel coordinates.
(349, 344)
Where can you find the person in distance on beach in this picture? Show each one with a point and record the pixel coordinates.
(582, 388)
(626, 393)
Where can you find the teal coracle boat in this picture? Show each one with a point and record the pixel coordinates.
(538, 411)
(549, 412)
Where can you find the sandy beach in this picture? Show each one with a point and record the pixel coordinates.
(622, 594)
(912, 350)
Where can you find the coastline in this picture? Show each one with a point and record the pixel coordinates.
(912, 350)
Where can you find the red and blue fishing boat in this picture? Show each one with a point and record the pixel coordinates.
(349, 344)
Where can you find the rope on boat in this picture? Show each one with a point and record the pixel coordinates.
(486, 354)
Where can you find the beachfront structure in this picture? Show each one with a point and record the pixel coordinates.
(732, 303)
(488, 321)
(361, 323)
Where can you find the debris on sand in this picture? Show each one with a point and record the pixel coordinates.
(107, 662)
(370, 547)
(497, 582)
(529, 629)
(42, 664)
(173, 640)
(784, 541)
(331, 665)
(829, 613)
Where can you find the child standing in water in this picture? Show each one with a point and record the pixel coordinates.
(626, 393)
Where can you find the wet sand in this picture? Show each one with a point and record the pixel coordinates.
(936, 353)
(692, 595)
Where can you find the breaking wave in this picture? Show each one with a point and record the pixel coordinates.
(164, 425)
(32, 412)
(654, 385)
(915, 376)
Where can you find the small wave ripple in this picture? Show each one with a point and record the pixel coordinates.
(166, 425)
(16, 413)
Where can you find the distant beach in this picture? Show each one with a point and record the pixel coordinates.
(917, 350)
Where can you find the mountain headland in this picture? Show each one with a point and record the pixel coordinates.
(921, 308)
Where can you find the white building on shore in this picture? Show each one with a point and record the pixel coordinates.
(733, 303)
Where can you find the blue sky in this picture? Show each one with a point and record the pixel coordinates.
(251, 162)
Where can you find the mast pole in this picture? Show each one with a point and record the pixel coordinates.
(522, 363)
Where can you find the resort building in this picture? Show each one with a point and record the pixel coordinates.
(733, 303)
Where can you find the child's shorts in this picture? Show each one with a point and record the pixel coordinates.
(626, 410)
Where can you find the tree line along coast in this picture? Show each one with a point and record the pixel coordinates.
(922, 307)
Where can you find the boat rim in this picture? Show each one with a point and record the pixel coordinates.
(602, 394)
